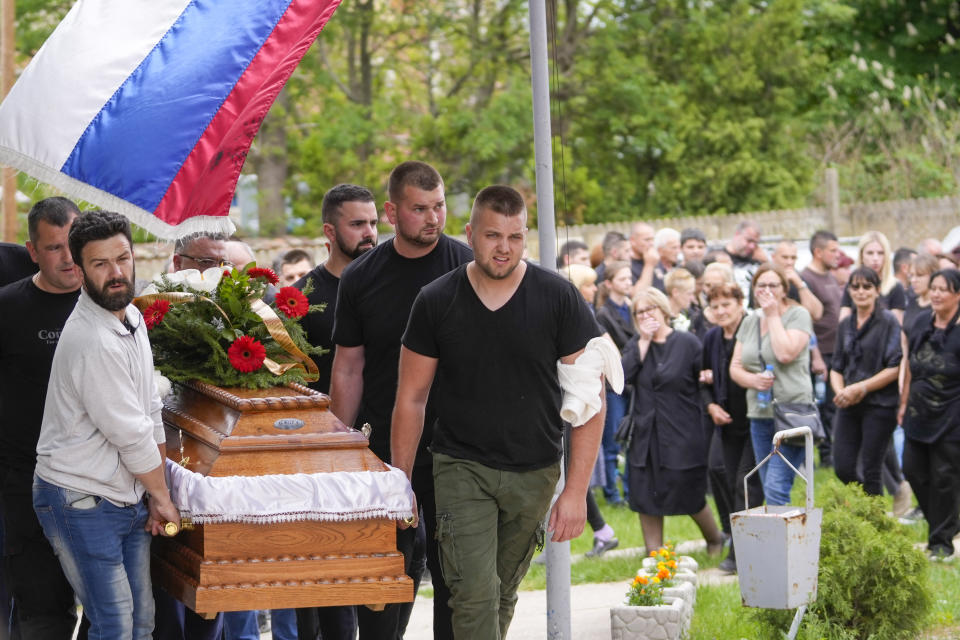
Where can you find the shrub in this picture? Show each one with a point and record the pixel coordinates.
(872, 581)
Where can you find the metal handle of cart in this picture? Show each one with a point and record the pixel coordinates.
(778, 439)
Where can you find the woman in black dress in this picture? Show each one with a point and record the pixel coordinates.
(668, 452)
(930, 412)
(863, 374)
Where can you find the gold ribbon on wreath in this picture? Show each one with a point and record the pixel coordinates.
(270, 320)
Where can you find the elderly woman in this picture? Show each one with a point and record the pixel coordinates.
(667, 455)
(930, 412)
(726, 401)
(866, 362)
(777, 335)
(614, 315)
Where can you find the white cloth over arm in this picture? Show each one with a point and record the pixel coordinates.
(581, 382)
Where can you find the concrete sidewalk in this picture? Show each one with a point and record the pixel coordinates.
(589, 605)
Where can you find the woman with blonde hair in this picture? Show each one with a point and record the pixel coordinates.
(680, 287)
(873, 251)
(667, 454)
(922, 267)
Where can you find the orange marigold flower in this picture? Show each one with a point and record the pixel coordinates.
(663, 574)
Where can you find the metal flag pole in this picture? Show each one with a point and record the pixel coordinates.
(557, 553)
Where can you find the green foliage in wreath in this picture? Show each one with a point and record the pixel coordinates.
(215, 336)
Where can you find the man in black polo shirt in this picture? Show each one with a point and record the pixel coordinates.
(373, 304)
(350, 225)
(492, 332)
(34, 311)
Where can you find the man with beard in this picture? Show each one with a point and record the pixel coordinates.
(36, 308)
(373, 303)
(350, 225)
(492, 331)
(99, 489)
(349, 216)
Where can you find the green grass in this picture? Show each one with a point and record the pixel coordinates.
(719, 614)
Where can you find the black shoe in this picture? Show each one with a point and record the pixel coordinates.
(600, 547)
(728, 565)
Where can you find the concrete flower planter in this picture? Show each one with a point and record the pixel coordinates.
(669, 621)
(686, 591)
(684, 563)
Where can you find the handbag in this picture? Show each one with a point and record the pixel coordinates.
(789, 415)
(625, 428)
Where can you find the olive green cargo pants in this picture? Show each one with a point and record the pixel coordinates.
(489, 522)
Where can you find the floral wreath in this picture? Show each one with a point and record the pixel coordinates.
(213, 326)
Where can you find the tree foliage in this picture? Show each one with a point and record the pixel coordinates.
(659, 108)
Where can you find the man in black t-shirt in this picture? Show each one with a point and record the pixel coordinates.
(349, 216)
(492, 332)
(34, 312)
(15, 263)
(373, 304)
(350, 225)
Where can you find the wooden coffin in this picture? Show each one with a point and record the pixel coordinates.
(240, 566)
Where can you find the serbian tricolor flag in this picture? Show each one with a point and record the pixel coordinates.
(148, 107)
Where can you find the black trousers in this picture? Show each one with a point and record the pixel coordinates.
(862, 432)
(419, 547)
(739, 461)
(933, 470)
(43, 603)
(327, 623)
(594, 517)
(719, 477)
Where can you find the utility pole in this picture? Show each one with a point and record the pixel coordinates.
(557, 553)
(8, 15)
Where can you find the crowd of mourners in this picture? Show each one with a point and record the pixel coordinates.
(711, 340)
(713, 336)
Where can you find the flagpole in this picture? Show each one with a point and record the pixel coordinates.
(557, 553)
(8, 17)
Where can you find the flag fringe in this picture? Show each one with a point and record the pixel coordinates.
(140, 217)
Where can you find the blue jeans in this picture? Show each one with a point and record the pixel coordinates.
(775, 476)
(240, 625)
(616, 408)
(283, 624)
(105, 555)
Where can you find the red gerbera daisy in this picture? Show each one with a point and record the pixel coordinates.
(153, 315)
(246, 354)
(263, 272)
(292, 302)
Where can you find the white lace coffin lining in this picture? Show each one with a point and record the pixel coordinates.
(333, 497)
